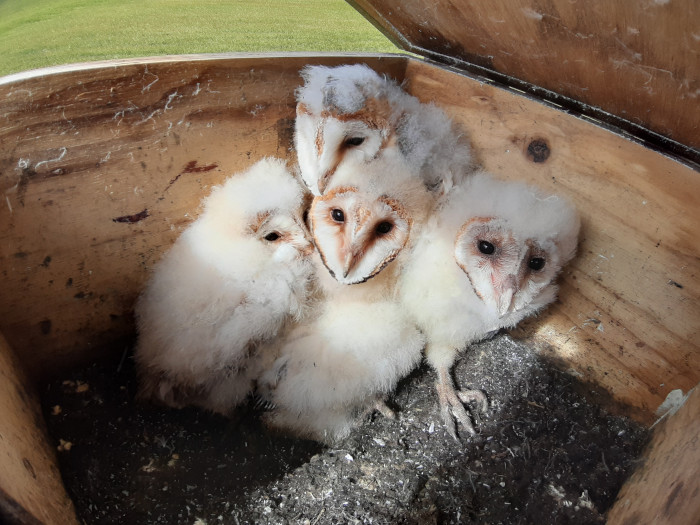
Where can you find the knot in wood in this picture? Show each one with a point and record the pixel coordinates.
(538, 150)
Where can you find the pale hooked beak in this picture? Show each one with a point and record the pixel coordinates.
(349, 262)
(356, 239)
(323, 181)
(505, 291)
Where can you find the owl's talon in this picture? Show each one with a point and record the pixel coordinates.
(474, 396)
(452, 409)
(381, 407)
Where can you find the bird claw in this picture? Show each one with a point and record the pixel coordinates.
(474, 396)
(381, 407)
(452, 408)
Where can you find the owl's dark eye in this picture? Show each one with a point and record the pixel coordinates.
(536, 263)
(384, 227)
(486, 247)
(338, 215)
(272, 236)
(354, 141)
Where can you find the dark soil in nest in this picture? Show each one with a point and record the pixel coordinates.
(546, 452)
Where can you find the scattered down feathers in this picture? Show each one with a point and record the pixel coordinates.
(350, 113)
(487, 258)
(231, 281)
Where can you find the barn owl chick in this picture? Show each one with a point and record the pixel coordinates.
(336, 369)
(487, 259)
(363, 224)
(360, 343)
(350, 113)
(229, 283)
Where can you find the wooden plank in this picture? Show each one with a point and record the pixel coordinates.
(665, 489)
(629, 314)
(638, 59)
(102, 165)
(31, 490)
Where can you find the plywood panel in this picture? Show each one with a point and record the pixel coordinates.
(637, 59)
(629, 314)
(665, 488)
(31, 491)
(101, 166)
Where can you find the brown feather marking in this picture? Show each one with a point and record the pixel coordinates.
(462, 231)
(376, 113)
(259, 220)
(397, 208)
(472, 284)
(318, 141)
(335, 192)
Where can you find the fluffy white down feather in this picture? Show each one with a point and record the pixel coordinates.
(333, 370)
(336, 367)
(459, 286)
(336, 103)
(220, 291)
(435, 290)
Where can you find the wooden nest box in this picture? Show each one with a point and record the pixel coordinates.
(103, 164)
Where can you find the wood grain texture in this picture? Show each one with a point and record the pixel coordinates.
(629, 314)
(665, 488)
(31, 490)
(638, 59)
(101, 167)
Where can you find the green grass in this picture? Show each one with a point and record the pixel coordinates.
(38, 33)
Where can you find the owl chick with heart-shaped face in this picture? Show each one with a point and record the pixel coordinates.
(487, 259)
(230, 283)
(351, 114)
(363, 224)
(359, 343)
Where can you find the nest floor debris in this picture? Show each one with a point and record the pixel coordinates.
(546, 452)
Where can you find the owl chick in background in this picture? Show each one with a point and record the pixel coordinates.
(352, 114)
(486, 259)
(342, 364)
(230, 282)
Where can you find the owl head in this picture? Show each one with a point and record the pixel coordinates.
(256, 214)
(344, 114)
(514, 242)
(362, 223)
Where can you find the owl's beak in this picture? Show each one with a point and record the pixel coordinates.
(349, 262)
(506, 291)
(323, 182)
(357, 238)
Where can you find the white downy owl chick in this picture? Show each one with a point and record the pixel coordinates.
(487, 259)
(360, 343)
(334, 370)
(363, 224)
(351, 113)
(229, 283)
